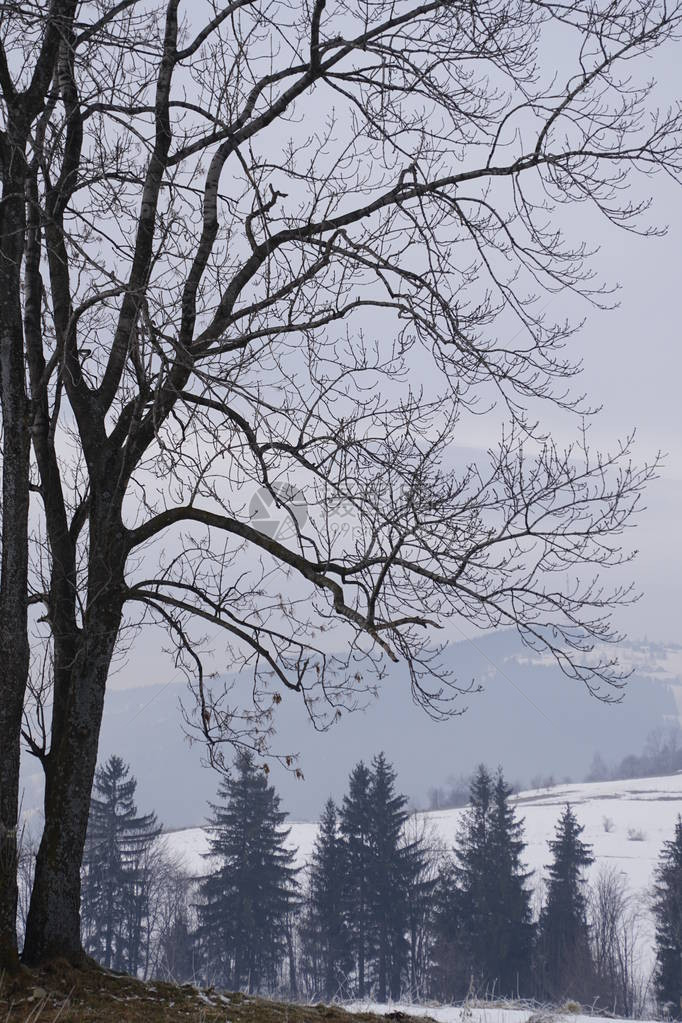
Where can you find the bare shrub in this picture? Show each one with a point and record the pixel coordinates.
(617, 929)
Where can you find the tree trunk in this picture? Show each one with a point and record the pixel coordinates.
(395, 987)
(13, 643)
(330, 971)
(15, 502)
(383, 955)
(53, 926)
(361, 962)
(13, 650)
(293, 980)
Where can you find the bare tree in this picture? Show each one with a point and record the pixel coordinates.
(618, 935)
(20, 108)
(170, 895)
(422, 832)
(28, 847)
(290, 247)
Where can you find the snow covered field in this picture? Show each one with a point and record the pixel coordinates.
(467, 1014)
(625, 821)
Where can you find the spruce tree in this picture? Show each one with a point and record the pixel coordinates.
(357, 833)
(512, 937)
(325, 926)
(564, 964)
(493, 933)
(667, 908)
(450, 973)
(114, 904)
(246, 902)
(472, 858)
(383, 871)
(396, 867)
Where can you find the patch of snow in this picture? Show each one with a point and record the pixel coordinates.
(471, 1014)
(191, 846)
(661, 661)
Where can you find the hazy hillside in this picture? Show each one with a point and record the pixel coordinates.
(534, 719)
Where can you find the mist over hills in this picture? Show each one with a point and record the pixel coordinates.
(529, 718)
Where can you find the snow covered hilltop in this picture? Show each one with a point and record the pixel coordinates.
(626, 822)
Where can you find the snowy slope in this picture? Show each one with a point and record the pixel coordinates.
(470, 1014)
(190, 846)
(642, 813)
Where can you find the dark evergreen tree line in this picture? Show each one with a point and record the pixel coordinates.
(383, 914)
(380, 911)
(366, 889)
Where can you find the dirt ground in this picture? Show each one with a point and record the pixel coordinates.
(61, 993)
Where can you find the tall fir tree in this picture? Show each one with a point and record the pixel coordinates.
(472, 879)
(483, 918)
(667, 906)
(325, 928)
(247, 901)
(114, 889)
(357, 833)
(563, 959)
(513, 934)
(396, 867)
(384, 878)
(450, 973)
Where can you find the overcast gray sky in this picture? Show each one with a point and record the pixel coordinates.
(633, 365)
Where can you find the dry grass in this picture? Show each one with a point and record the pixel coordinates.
(61, 994)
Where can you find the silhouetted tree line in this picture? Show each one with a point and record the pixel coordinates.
(661, 755)
(381, 909)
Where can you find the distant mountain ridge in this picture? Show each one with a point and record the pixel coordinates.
(529, 718)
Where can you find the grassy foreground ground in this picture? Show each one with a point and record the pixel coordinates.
(62, 993)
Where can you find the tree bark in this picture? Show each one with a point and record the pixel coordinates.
(13, 634)
(14, 654)
(53, 925)
(21, 110)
